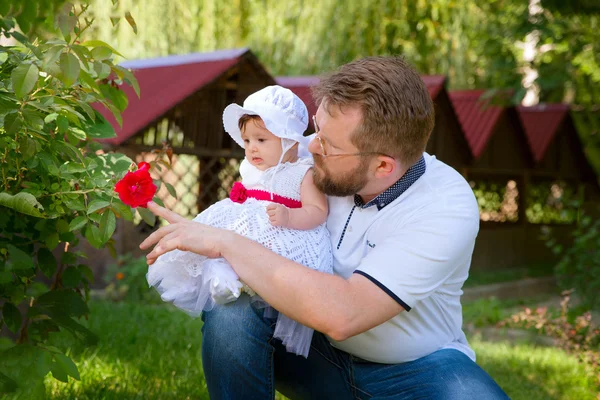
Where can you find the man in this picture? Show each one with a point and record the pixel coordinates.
(403, 228)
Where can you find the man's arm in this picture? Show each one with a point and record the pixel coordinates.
(406, 267)
(327, 303)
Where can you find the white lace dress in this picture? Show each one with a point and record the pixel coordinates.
(195, 283)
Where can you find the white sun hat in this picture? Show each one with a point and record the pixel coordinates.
(282, 112)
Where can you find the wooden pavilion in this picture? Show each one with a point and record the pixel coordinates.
(497, 174)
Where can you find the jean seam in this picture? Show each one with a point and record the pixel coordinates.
(350, 372)
(271, 384)
(355, 388)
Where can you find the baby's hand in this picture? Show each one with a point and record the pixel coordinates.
(279, 215)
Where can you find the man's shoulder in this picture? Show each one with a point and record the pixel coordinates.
(440, 174)
(441, 190)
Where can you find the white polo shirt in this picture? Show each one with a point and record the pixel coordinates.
(416, 244)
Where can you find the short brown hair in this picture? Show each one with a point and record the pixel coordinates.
(245, 118)
(398, 113)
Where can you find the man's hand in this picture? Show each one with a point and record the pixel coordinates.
(279, 215)
(183, 234)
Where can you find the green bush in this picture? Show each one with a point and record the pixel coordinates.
(579, 264)
(55, 186)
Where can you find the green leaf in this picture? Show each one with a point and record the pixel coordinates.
(108, 224)
(33, 118)
(131, 21)
(71, 277)
(6, 277)
(124, 210)
(86, 272)
(118, 163)
(101, 53)
(62, 226)
(66, 21)
(78, 133)
(96, 205)
(7, 385)
(147, 216)
(66, 301)
(75, 328)
(3, 57)
(85, 77)
(7, 103)
(62, 123)
(22, 202)
(13, 123)
(59, 373)
(24, 78)
(12, 317)
(87, 109)
(158, 201)
(102, 129)
(116, 96)
(129, 77)
(82, 53)
(92, 234)
(50, 117)
(67, 365)
(52, 55)
(78, 223)
(52, 240)
(171, 189)
(69, 65)
(102, 69)
(115, 112)
(96, 43)
(68, 258)
(46, 262)
(18, 258)
(28, 147)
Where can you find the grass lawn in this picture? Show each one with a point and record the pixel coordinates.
(154, 352)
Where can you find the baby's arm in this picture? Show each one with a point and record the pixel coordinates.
(312, 214)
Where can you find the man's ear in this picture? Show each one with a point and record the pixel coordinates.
(385, 166)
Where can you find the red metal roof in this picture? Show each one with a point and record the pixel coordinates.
(541, 123)
(478, 118)
(301, 85)
(435, 84)
(165, 82)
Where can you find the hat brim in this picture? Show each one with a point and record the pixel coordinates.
(231, 119)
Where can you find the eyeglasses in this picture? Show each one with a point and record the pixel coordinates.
(324, 152)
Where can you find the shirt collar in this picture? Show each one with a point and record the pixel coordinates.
(394, 191)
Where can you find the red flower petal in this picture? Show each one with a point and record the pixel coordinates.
(136, 189)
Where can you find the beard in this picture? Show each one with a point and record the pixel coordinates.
(346, 184)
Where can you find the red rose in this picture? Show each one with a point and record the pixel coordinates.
(136, 189)
(238, 193)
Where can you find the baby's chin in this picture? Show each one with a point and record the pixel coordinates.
(261, 165)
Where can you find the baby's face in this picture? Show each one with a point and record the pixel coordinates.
(263, 149)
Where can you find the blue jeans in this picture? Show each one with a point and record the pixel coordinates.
(242, 361)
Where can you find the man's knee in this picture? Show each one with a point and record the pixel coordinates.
(461, 378)
(233, 329)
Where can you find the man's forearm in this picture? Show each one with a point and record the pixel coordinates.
(313, 298)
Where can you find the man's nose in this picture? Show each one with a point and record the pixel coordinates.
(313, 146)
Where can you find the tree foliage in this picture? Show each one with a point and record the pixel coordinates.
(477, 44)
